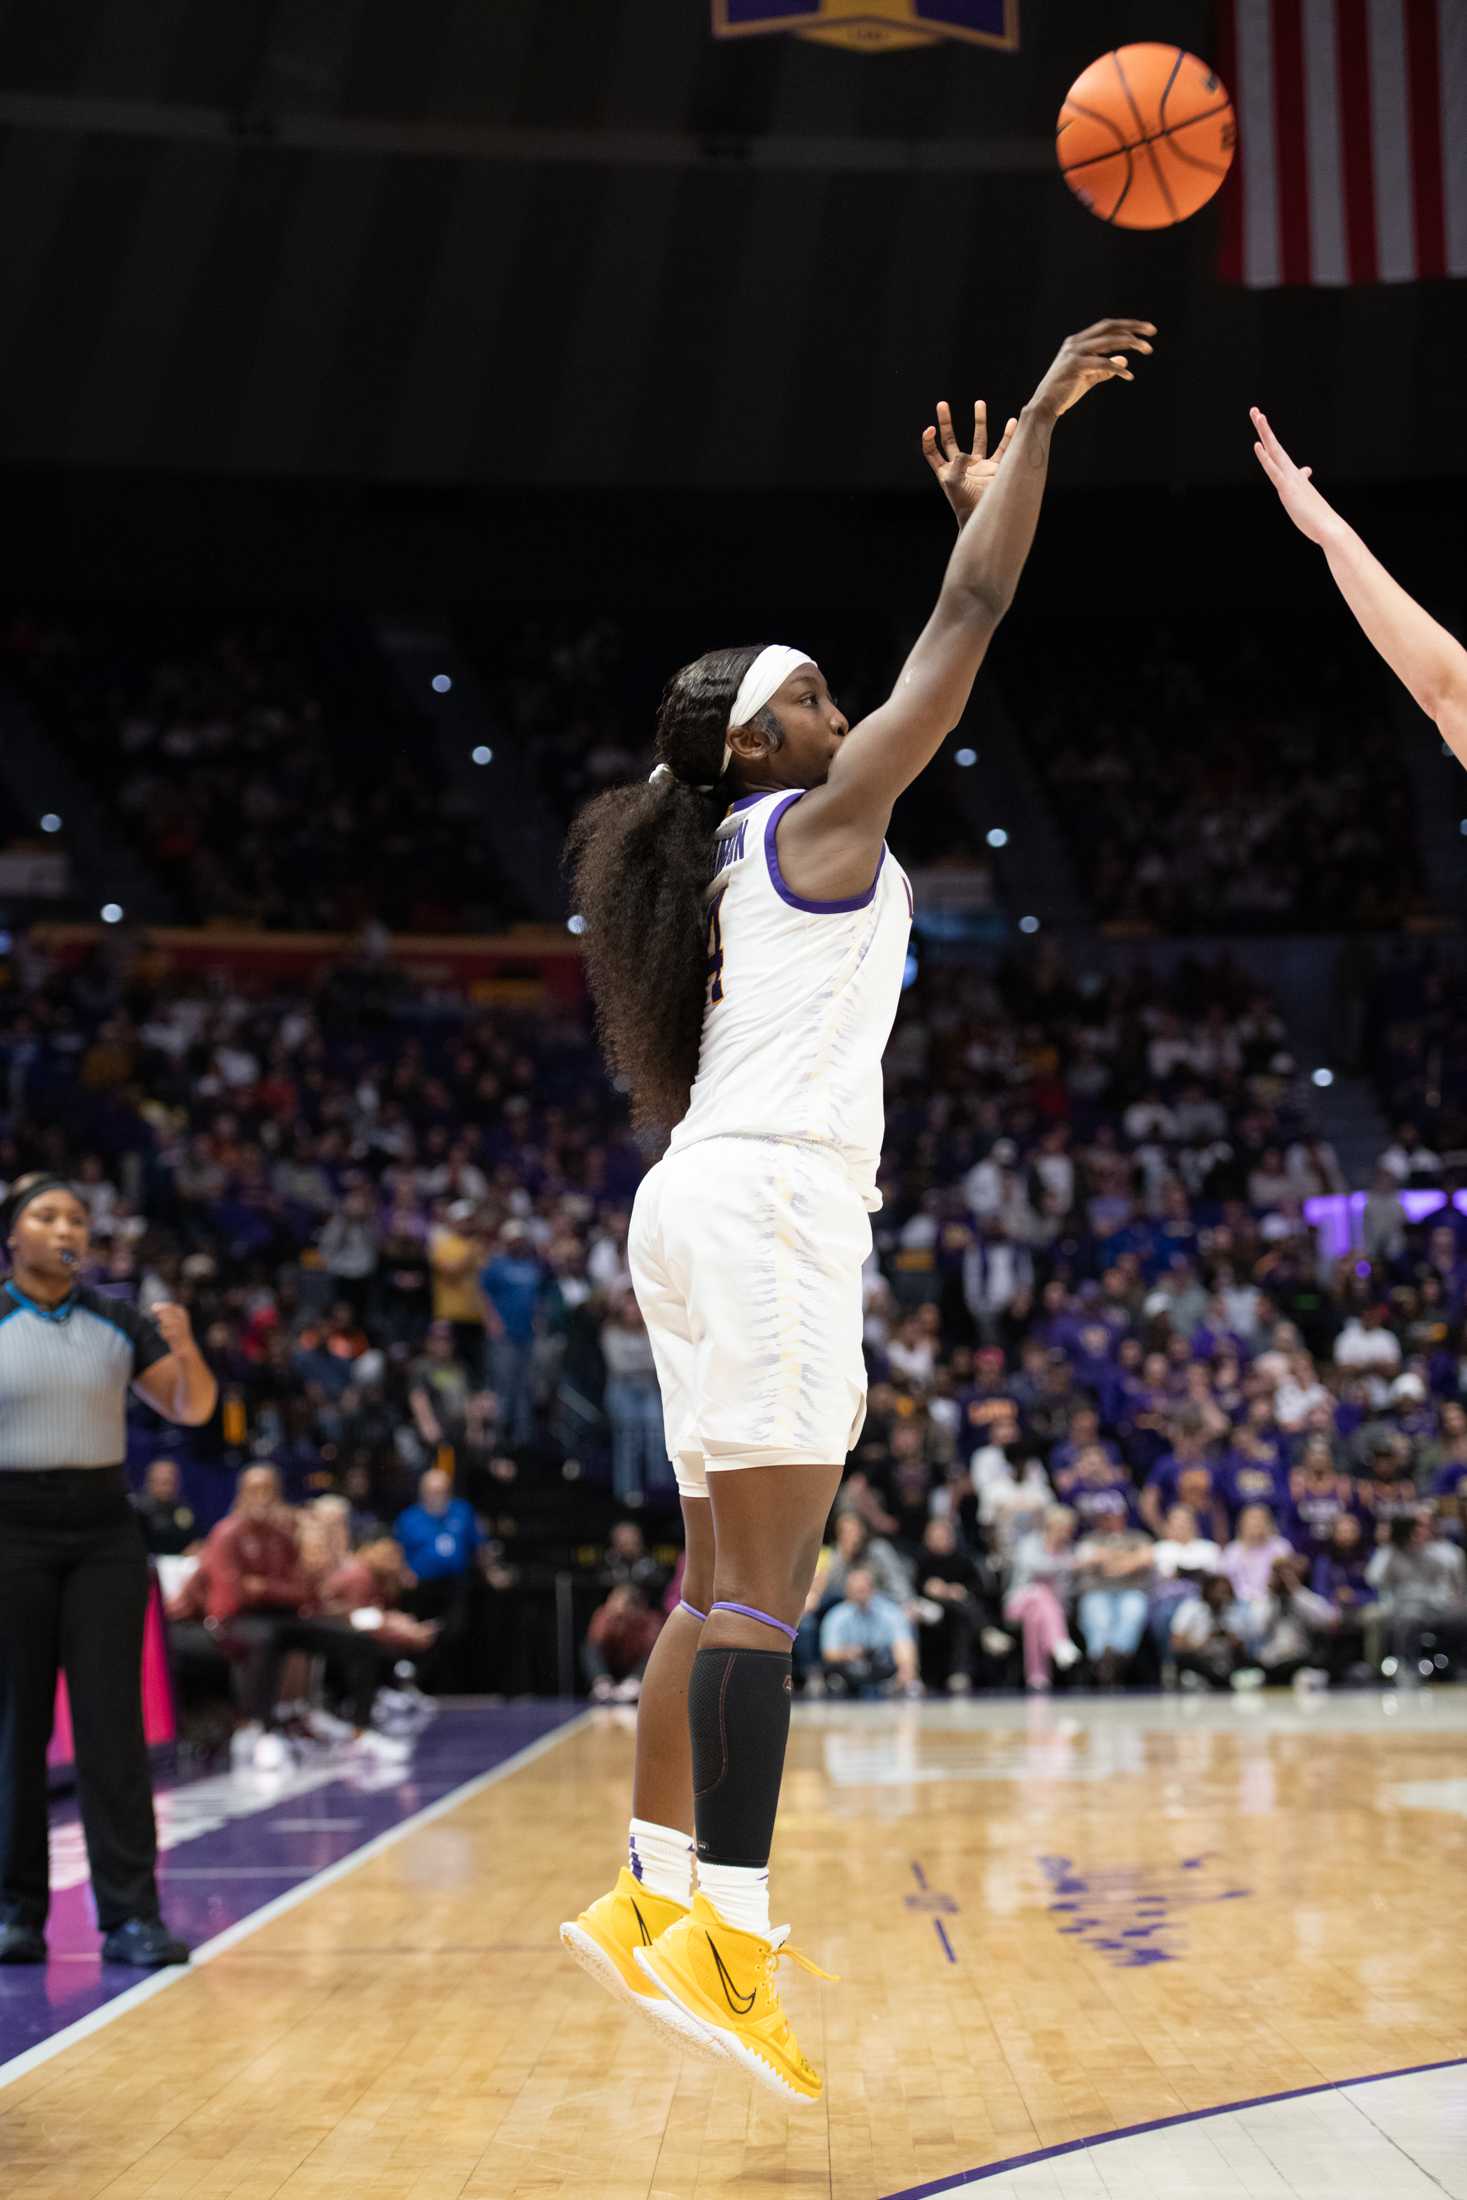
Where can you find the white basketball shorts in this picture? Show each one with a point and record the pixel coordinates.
(746, 1257)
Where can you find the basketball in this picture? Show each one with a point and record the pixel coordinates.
(1145, 136)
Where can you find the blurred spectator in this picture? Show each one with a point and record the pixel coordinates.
(167, 1520)
(957, 1620)
(255, 1596)
(1366, 1345)
(866, 1642)
(1296, 1623)
(1248, 1563)
(439, 1534)
(367, 1587)
(1409, 1160)
(1205, 1639)
(349, 1245)
(453, 1259)
(323, 1535)
(1181, 1559)
(853, 1544)
(1112, 1567)
(1421, 1584)
(639, 1460)
(438, 1389)
(1319, 1496)
(517, 1288)
(629, 1560)
(1013, 1490)
(619, 1642)
(1041, 1584)
(442, 1548)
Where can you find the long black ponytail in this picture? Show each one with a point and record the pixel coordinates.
(640, 858)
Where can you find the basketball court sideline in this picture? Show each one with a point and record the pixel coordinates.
(1231, 1922)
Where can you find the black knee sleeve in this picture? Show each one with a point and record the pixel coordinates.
(739, 1717)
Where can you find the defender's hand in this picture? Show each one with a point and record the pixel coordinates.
(1311, 513)
(1097, 354)
(963, 475)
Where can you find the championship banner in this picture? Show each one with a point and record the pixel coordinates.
(873, 26)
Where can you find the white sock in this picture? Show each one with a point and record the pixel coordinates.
(740, 1894)
(661, 1859)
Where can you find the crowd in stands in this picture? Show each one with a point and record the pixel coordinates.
(1217, 779)
(387, 1616)
(580, 701)
(1208, 780)
(1413, 1027)
(251, 764)
(1110, 1375)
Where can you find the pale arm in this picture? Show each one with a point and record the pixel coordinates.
(1427, 659)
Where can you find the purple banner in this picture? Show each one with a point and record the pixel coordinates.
(993, 20)
(762, 15)
(873, 24)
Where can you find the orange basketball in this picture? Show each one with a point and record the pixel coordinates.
(1146, 136)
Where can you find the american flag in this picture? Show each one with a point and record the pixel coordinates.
(1352, 140)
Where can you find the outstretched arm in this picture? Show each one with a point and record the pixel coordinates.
(1431, 662)
(886, 751)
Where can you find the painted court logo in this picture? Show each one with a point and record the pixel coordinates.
(1134, 1914)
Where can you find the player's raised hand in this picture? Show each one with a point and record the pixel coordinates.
(963, 475)
(1097, 354)
(1311, 513)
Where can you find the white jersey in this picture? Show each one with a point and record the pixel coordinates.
(801, 999)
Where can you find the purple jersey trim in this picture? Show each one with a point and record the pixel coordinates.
(798, 901)
(747, 801)
(750, 1611)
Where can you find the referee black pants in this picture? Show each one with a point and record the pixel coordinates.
(73, 1598)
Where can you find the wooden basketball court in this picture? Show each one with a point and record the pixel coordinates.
(1053, 1921)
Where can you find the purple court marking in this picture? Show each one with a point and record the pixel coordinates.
(1132, 1913)
(230, 1850)
(920, 1876)
(965, 2177)
(947, 1946)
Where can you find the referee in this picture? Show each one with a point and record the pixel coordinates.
(73, 1570)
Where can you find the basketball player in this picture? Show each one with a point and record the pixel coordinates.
(745, 975)
(1431, 662)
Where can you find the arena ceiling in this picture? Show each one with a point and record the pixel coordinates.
(563, 242)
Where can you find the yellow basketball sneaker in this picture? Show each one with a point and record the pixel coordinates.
(723, 1979)
(602, 1940)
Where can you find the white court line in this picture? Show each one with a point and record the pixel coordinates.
(158, 1982)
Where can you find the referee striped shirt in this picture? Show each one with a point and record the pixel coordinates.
(64, 1377)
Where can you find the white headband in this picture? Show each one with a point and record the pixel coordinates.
(768, 673)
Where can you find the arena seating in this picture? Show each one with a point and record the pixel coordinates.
(1219, 778)
(1091, 1279)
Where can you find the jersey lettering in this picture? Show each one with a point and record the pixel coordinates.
(713, 965)
(731, 848)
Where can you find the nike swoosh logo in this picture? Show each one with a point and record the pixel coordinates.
(740, 2004)
(642, 1926)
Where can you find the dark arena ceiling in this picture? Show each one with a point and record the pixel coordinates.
(580, 242)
